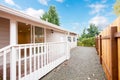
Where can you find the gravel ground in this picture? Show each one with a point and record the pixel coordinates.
(83, 65)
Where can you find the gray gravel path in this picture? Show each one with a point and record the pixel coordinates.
(83, 65)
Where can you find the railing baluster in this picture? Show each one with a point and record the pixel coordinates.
(4, 66)
(25, 63)
(54, 49)
(34, 57)
(30, 58)
(46, 53)
(38, 63)
(51, 52)
(41, 56)
(19, 70)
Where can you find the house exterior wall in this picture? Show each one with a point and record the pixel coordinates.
(55, 36)
(4, 32)
(58, 35)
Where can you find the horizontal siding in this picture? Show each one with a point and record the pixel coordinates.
(55, 36)
(4, 32)
(59, 37)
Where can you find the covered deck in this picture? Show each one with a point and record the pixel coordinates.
(30, 47)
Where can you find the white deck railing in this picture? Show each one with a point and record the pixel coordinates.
(31, 61)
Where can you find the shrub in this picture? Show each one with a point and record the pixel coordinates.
(86, 42)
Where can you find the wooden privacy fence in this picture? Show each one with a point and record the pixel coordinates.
(107, 44)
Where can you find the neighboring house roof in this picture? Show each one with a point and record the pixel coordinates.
(23, 15)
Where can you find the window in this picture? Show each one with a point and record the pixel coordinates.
(39, 35)
(24, 33)
(74, 39)
(69, 39)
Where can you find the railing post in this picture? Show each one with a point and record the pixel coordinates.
(47, 47)
(68, 50)
(100, 54)
(114, 53)
(4, 66)
(13, 64)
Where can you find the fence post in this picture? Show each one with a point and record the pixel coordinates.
(114, 53)
(96, 44)
(13, 64)
(100, 49)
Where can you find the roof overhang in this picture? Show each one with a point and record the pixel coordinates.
(17, 13)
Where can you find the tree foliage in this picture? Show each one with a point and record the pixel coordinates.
(51, 16)
(45, 16)
(87, 41)
(117, 7)
(92, 30)
(88, 36)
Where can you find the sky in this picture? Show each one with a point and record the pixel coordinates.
(75, 15)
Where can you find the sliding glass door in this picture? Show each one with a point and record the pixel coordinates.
(30, 34)
(24, 33)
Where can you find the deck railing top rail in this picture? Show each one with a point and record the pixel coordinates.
(5, 48)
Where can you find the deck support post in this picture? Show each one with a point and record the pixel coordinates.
(13, 32)
(13, 41)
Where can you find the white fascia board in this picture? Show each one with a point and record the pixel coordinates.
(23, 15)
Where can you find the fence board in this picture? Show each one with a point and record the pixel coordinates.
(118, 53)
